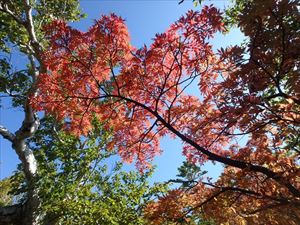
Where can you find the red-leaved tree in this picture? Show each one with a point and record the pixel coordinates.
(139, 94)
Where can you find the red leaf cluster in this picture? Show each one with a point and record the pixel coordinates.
(140, 95)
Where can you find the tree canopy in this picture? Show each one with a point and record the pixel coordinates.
(249, 90)
(101, 95)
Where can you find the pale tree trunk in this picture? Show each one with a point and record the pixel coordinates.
(25, 213)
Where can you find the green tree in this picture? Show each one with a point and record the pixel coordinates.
(21, 33)
(76, 185)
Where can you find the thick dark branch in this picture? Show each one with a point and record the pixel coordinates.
(283, 95)
(236, 189)
(212, 156)
(253, 193)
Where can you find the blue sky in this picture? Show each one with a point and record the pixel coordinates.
(144, 19)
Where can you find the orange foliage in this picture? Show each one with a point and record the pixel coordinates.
(140, 95)
(98, 73)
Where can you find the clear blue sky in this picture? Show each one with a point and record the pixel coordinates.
(144, 19)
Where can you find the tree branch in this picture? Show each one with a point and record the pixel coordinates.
(212, 156)
(31, 31)
(4, 8)
(5, 133)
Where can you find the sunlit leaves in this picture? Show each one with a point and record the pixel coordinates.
(99, 73)
(81, 183)
(5, 187)
(248, 91)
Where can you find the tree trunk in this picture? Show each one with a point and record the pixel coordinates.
(26, 213)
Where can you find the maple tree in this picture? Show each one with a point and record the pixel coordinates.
(139, 94)
(61, 179)
(260, 100)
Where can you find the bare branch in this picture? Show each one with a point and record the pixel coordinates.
(4, 8)
(5, 133)
(31, 31)
(211, 155)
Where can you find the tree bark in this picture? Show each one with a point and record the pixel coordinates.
(21, 214)
(25, 213)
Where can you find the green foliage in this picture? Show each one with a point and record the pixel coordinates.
(68, 10)
(14, 83)
(76, 185)
(232, 12)
(196, 2)
(12, 31)
(5, 187)
(190, 173)
(16, 78)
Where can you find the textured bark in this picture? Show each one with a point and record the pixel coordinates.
(11, 214)
(27, 212)
(21, 214)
